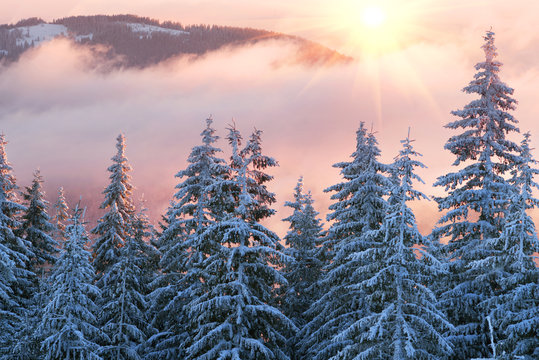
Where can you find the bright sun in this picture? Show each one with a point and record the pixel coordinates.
(373, 16)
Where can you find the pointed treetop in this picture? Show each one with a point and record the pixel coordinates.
(489, 47)
(207, 134)
(120, 145)
(7, 180)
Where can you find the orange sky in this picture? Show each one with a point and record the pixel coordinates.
(408, 72)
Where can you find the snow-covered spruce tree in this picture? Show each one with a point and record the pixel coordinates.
(112, 229)
(126, 321)
(37, 228)
(8, 304)
(19, 280)
(476, 202)
(305, 269)
(360, 208)
(234, 317)
(402, 321)
(69, 320)
(60, 216)
(515, 302)
(196, 204)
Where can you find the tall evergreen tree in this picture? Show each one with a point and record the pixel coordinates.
(477, 200)
(36, 230)
(127, 321)
(16, 254)
(36, 226)
(112, 228)
(196, 205)
(515, 302)
(359, 209)
(69, 320)
(305, 269)
(234, 317)
(8, 304)
(402, 321)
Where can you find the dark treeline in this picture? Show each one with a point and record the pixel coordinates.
(212, 282)
(140, 49)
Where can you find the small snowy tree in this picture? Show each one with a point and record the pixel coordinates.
(37, 228)
(69, 320)
(196, 205)
(305, 269)
(234, 318)
(60, 216)
(360, 208)
(477, 200)
(402, 321)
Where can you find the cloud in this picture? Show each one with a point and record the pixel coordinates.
(63, 117)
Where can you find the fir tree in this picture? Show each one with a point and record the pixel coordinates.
(127, 322)
(234, 317)
(305, 269)
(402, 321)
(61, 215)
(112, 228)
(476, 202)
(69, 320)
(8, 317)
(196, 205)
(36, 226)
(515, 303)
(359, 209)
(16, 253)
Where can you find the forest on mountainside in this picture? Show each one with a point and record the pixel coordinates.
(112, 38)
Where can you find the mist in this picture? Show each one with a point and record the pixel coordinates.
(61, 114)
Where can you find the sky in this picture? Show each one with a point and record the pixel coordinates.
(63, 118)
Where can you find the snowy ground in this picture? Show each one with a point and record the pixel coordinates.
(39, 33)
(149, 29)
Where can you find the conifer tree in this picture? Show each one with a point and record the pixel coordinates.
(402, 321)
(112, 228)
(197, 204)
(234, 317)
(37, 228)
(8, 317)
(61, 215)
(359, 209)
(16, 253)
(126, 321)
(69, 321)
(477, 200)
(305, 269)
(515, 303)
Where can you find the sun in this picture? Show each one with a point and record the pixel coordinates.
(373, 16)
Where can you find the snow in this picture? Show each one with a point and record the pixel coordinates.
(80, 38)
(149, 29)
(39, 33)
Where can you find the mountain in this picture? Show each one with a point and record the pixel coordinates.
(133, 41)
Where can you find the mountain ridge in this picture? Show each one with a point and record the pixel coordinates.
(134, 41)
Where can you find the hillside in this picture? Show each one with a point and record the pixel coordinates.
(133, 41)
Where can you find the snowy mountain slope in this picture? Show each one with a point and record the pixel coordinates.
(150, 29)
(36, 34)
(140, 42)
